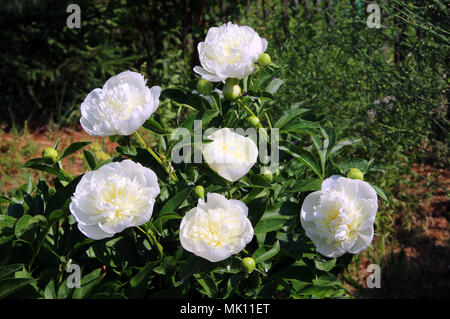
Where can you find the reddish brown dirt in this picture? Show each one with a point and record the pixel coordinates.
(417, 259)
(42, 138)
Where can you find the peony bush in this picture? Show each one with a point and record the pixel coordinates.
(232, 203)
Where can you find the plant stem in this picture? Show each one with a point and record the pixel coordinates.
(268, 120)
(41, 242)
(166, 167)
(251, 112)
(151, 236)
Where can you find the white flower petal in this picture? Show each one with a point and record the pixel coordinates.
(229, 51)
(339, 218)
(93, 231)
(365, 237)
(216, 229)
(120, 107)
(116, 196)
(230, 155)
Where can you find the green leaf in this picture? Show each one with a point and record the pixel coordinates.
(10, 285)
(89, 160)
(7, 221)
(267, 74)
(360, 164)
(208, 285)
(290, 115)
(300, 126)
(73, 148)
(58, 200)
(50, 290)
(305, 157)
(327, 280)
(155, 127)
(183, 97)
(263, 254)
(175, 94)
(233, 283)
(139, 282)
(27, 222)
(325, 265)
(57, 143)
(306, 185)
(341, 143)
(9, 269)
(274, 85)
(4, 200)
(172, 204)
(34, 161)
(160, 221)
(217, 101)
(321, 150)
(204, 116)
(63, 291)
(48, 169)
(381, 193)
(276, 217)
(88, 284)
(56, 215)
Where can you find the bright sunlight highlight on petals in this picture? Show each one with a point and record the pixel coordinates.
(339, 218)
(229, 51)
(116, 196)
(120, 107)
(230, 155)
(217, 228)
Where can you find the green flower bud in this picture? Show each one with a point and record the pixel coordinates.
(253, 121)
(232, 81)
(248, 264)
(355, 173)
(231, 93)
(204, 86)
(268, 175)
(50, 155)
(264, 59)
(199, 191)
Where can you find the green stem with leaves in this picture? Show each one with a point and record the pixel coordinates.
(152, 238)
(168, 168)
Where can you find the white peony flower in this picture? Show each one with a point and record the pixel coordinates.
(340, 217)
(229, 51)
(116, 196)
(216, 229)
(120, 107)
(230, 155)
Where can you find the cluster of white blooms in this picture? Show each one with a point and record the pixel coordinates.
(339, 218)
